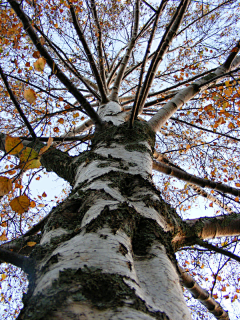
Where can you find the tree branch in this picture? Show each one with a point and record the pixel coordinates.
(53, 160)
(136, 100)
(88, 84)
(163, 46)
(17, 105)
(186, 94)
(215, 227)
(205, 129)
(93, 66)
(204, 183)
(202, 295)
(55, 69)
(25, 263)
(200, 191)
(211, 247)
(99, 44)
(125, 59)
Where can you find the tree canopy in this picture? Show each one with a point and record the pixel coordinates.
(172, 63)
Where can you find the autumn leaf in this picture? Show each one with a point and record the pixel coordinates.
(5, 185)
(20, 204)
(13, 145)
(4, 276)
(45, 148)
(31, 243)
(30, 95)
(32, 204)
(36, 54)
(29, 159)
(39, 64)
(3, 236)
(61, 120)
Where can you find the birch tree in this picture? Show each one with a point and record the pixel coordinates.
(136, 106)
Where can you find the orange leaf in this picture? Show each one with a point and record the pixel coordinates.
(211, 204)
(31, 243)
(13, 145)
(44, 194)
(5, 185)
(32, 204)
(20, 204)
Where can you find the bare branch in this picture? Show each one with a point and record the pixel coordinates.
(204, 183)
(17, 105)
(55, 69)
(70, 66)
(199, 190)
(163, 46)
(125, 59)
(205, 129)
(211, 247)
(89, 54)
(202, 295)
(136, 101)
(186, 94)
(99, 43)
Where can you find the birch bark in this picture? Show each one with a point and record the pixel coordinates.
(105, 252)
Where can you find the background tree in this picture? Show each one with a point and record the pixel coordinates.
(101, 94)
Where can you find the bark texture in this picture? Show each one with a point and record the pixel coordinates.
(106, 251)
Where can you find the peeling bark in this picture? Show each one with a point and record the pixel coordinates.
(105, 252)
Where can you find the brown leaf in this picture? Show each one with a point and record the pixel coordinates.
(20, 204)
(5, 185)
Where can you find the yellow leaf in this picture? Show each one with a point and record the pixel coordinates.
(3, 236)
(39, 64)
(4, 276)
(237, 184)
(5, 185)
(41, 205)
(30, 95)
(13, 145)
(29, 159)
(31, 243)
(20, 204)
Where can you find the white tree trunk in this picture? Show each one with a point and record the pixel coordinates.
(106, 252)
